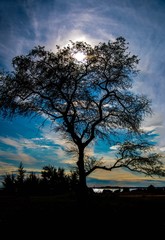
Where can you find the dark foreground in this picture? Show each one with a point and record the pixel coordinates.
(101, 213)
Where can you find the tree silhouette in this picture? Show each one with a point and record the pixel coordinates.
(55, 179)
(20, 177)
(32, 184)
(15, 182)
(135, 156)
(52, 180)
(9, 183)
(84, 99)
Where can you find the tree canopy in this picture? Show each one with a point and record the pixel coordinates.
(85, 99)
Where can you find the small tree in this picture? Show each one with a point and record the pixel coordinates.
(49, 174)
(32, 183)
(85, 100)
(13, 183)
(54, 179)
(9, 183)
(20, 177)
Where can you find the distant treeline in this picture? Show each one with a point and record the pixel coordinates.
(52, 180)
(151, 189)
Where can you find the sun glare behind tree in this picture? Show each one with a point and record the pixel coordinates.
(80, 56)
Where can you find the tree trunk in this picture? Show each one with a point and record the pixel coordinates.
(82, 188)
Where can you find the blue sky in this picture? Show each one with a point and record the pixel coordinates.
(28, 23)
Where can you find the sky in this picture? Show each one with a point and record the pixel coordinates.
(25, 24)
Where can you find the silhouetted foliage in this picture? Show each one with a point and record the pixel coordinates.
(52, 181)
(20, 177)
(32, 184)
(9, 183)
(85, 100)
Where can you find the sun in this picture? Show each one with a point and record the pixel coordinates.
(80, 56)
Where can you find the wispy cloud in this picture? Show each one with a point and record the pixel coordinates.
(19, 157)
(21, 142)
(6, 168)
(20, 145)
(122, 176)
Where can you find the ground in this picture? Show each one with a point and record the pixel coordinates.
(105, 213)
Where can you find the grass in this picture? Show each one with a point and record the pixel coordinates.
(109, 212)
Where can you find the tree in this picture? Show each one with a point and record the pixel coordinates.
(9, 183)
(54, 179)
(84, 99)
(13, 183)
(20, 177)
(32, 184)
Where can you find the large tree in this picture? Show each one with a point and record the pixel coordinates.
(86, 99)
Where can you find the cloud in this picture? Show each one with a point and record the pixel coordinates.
(49, 27)
(11, 142)
(59, 145)
(156, 125)
(21, 148)
(21, 143)
(6, 168)
(19, 156)
(121, 176)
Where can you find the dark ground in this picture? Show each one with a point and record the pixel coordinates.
(110, 214)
